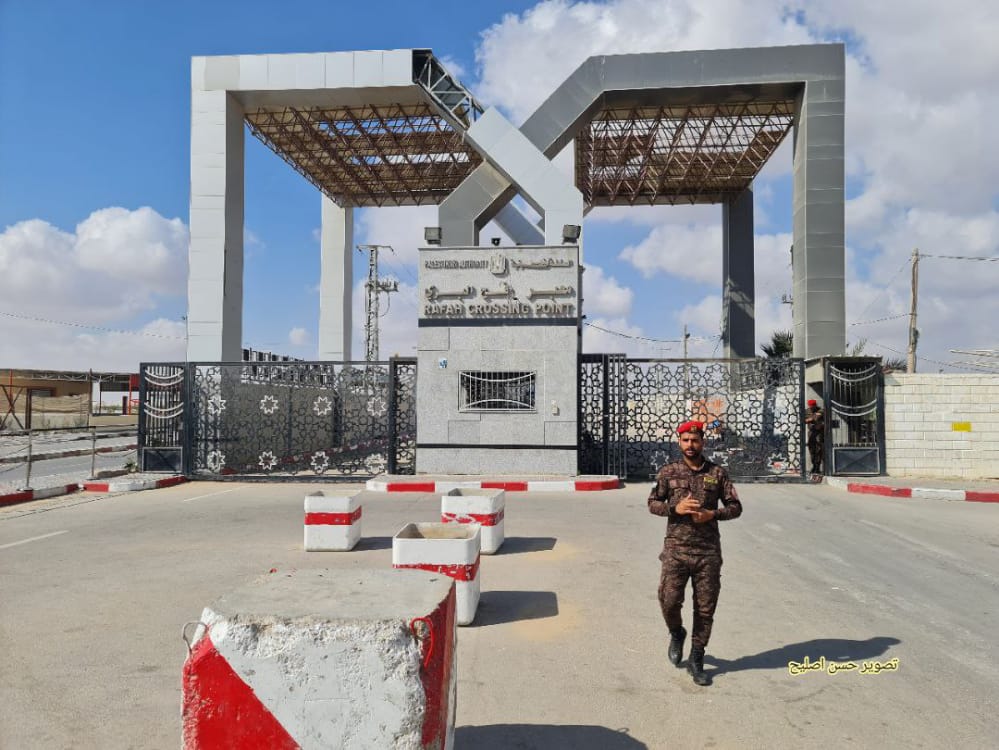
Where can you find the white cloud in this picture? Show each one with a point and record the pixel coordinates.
(298, 337)
(117, 267)
(690, 252)
(604, 295)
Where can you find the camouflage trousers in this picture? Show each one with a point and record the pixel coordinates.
(705, 573)
(816, 451)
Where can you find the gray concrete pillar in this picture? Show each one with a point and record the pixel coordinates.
(215, 276)
(738, 277)
(818, 256)
(336, 281)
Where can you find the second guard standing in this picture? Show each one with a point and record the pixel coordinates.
(694, 494)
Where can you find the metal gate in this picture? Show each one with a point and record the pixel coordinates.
(855, 416)
(309, 420)
(751, 408)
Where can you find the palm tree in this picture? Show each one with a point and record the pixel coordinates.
(894, 364)
(781, 344)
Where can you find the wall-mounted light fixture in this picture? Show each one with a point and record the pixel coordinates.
(432, 235)
(570, 232)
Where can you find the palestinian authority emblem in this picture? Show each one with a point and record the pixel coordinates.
(497, 264)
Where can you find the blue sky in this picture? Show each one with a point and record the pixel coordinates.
(94, 170)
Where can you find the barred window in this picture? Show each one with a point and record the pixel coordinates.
(497, 391)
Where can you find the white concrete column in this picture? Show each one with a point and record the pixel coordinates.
(215, 276)
(336, 281)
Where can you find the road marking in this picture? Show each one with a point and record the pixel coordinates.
(210, 494)
(33, 539)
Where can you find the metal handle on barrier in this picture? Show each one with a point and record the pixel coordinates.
(183, 634)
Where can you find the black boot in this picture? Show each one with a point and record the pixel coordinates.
(695, 665)
(675, 652)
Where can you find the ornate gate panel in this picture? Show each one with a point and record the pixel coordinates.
(161, 428)
(751, 408)
(855, 416)
(280, 419)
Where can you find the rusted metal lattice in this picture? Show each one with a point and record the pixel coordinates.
(697, 153)
(393, 155)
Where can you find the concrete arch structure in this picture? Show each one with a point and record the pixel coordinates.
(811, 76)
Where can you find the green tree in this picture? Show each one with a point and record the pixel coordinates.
(781, 344)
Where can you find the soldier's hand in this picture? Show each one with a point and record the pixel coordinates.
(702, 516)
(688, 505)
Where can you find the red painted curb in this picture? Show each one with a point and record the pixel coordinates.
(508, 486)
(96, 487)
(170, 482)
(981, 497)
(17, 497)
(411, 487)
(879, 489)
(600, 484)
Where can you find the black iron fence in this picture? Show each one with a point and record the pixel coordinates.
(752, 410)
(279, 419)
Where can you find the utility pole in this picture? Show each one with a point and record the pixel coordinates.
(910, 360)
(373, 288)
(686, 371)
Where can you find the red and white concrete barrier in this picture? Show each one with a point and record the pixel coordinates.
(925, 493)
(323, 659)
(23, 496)
(332, 522)
(484, 507)
(450, 549)
(133, 484)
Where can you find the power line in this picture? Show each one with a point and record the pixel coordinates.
(646, 338)
(927, 359)
(879, 320)
(884, 288)
(992, 259)
(93, 328)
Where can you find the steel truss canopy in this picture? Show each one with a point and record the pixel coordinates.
(407, 146)
(685, 146)
(404, 150)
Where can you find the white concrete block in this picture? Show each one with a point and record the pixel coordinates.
(198, 73)
(280, 72)
(397, 67)
(323, 659)
(310, 71)
(252, 72)
(339, 69)
(332, 521)
(450, 549)
(221, 72)
(368, 68)
(937, 494)
(485, 507)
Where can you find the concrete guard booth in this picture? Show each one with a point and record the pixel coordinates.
(497, 357)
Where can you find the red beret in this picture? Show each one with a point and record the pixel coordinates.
(691, 426)
(812, 402)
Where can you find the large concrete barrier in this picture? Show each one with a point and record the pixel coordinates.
(322, 659)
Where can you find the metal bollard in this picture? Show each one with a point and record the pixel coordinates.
(93, 453)
(27, 478)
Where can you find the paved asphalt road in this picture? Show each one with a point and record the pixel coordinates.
(568, 648)
(52, 471)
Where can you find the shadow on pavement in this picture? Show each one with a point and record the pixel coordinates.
(497, 607)
(545, 737)
(374, 542)
(515, 544)
(834, 649)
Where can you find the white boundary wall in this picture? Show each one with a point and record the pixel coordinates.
(942, 425)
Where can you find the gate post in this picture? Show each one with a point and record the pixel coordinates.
(187, 422)
(393, 438)
(605, 421)
(140, 433)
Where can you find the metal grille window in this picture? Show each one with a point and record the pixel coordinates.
(497, 391)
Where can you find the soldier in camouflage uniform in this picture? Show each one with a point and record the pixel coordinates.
(694, 494)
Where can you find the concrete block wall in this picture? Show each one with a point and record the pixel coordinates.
(942, 425)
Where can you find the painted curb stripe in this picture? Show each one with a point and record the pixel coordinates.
(600, 484)
(508, 486)
(332, 519)
(483, 519)
(880, 489)
(170, 482)
(457, 572)
(410, 487)
(220, 710)
(17, 497)
(973, 496)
